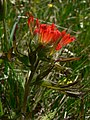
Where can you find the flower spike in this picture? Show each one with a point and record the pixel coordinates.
(49, 34)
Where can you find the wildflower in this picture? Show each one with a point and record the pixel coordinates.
(49, 34)
(50, 5)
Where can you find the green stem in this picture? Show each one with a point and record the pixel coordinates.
(26, 93)
(27, 87)
(82, 109)
(5, 43)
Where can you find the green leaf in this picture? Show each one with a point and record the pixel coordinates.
(1, 108)
(32, 57)
(24, 59)
(3, 9)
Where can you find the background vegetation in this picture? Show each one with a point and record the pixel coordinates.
(45, 100)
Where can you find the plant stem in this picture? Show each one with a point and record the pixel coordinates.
(5, 43)
(27, 92)
(82, 109)
(27, 87)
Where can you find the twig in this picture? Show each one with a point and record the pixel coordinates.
(67, 59)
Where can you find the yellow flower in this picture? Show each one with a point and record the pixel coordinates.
(50, 5)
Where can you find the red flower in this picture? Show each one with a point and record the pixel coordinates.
(66, 39)
(50, 34)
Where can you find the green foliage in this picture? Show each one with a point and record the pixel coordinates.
(1, 108)
(34, 86)
(3, 9)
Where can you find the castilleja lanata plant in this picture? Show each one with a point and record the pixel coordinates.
(45, 40)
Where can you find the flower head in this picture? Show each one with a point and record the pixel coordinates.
(49, 34)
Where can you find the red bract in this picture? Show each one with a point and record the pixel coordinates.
(66, 39)
(30, 20)
(37, 23)
(50, 34)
